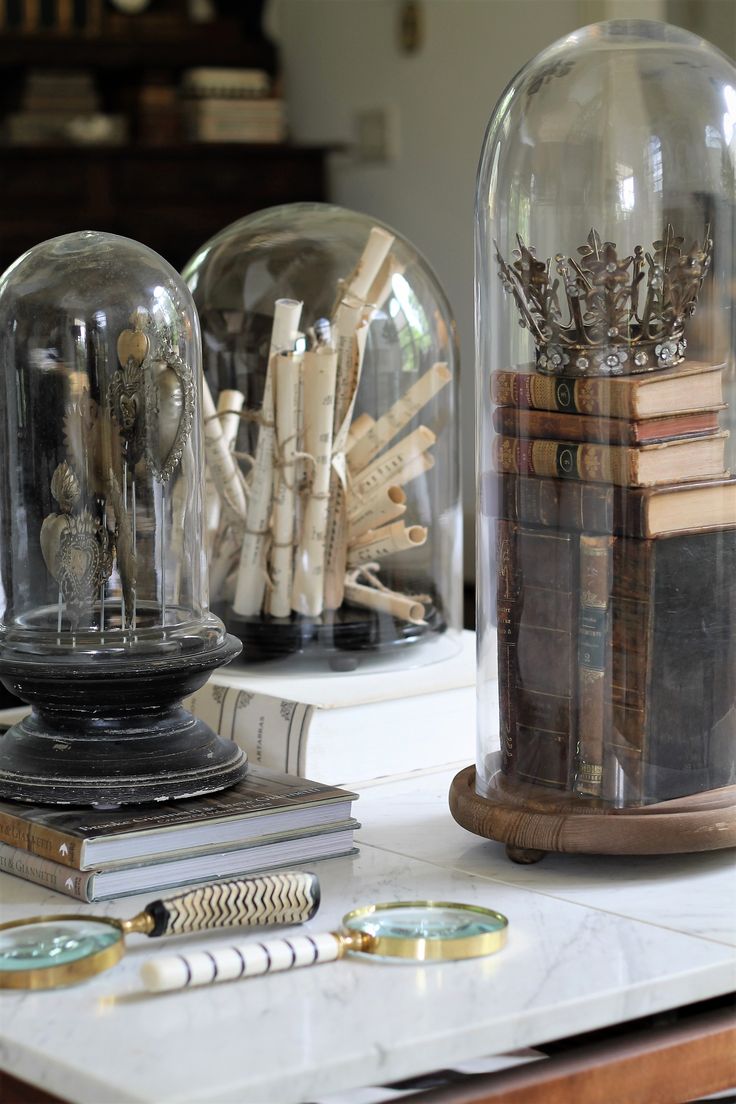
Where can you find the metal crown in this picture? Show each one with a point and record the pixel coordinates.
(595, 314)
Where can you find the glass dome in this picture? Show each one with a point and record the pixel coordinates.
(104, 601)
(102, 484)
(333, 487)
(605, 351)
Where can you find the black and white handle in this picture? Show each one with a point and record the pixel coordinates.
(241, 960)
(285, 898)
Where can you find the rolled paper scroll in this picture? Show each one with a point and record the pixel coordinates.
(318, 396)
(220, 462)
(387, 601)
(383, 285)
(286, 369)
(420, 465)
(229, 405)
(252, 570)
(349, 334)
(384, 542)
(358, 429)
(224, 557)
(376, 437)
(387, 467)
(387, 504)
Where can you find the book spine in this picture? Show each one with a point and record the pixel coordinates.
(47, 843)
(632, 628)
(558, 504)
(44, 872)
(564, 427)
(273, 732)
(564, 460)
(537, 661)
(530, 391)
(594, 661)
(506, 601)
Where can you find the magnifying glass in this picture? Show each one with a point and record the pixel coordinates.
(420, 930)
(45, 952)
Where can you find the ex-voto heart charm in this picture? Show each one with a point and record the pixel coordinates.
(169, 414)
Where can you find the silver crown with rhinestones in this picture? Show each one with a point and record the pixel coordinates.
(598, 314)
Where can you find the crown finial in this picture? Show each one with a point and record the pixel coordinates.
(598, 314)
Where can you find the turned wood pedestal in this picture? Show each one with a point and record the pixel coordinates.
(532, 820)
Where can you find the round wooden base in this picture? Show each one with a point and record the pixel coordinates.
(532, 820)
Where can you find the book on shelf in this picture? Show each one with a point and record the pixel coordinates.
(658, 719)
(215, 82)
(633, 512)
(691, 458)
(348, 728)
(266, 819)
(255, 120)
(519, 422)
(691, 386)
(264, 803)
(187, 869)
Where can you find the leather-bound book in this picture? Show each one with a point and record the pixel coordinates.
(673, 729)
(649, 465)
(537, 652)
(594, 661)
(688, 387)
(597, 508)
(556, 426)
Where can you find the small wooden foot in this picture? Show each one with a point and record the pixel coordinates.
(523, 855)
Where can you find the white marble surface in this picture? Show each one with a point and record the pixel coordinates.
(692, 894)
(582, 953)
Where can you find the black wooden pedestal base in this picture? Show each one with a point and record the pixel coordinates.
(111, 733)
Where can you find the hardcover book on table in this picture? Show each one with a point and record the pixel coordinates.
(266, 810)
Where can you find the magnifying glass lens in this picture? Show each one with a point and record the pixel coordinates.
(57, 943)
(424, 922)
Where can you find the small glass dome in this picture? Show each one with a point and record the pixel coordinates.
(101, 495)
(606, 334)
(333, 518)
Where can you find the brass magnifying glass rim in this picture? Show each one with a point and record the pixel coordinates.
(65, 973)
(421, 949)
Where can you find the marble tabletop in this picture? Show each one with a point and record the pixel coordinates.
(592, 942)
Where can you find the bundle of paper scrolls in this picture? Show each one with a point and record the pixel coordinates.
(324, 500)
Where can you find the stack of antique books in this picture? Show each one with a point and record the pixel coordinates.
(266, 820)
(616, 581)
(232, 105)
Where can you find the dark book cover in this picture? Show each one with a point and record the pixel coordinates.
(537, 659)
(674, 668)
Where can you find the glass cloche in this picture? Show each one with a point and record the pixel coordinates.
(607, 534)
(104, 587)
(332, 503)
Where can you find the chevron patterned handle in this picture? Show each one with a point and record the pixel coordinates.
(285, 898)
(184, 971)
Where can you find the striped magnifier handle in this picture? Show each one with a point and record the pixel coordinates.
(240, 960)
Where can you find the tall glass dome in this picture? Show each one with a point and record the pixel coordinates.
(605, 326)
(104, 614)
(333, 493)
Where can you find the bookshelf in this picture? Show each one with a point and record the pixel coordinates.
(156, 186)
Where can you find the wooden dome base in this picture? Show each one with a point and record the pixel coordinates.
(532, 820)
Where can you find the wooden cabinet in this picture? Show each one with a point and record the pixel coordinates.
(168, 194)
(171, 198)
